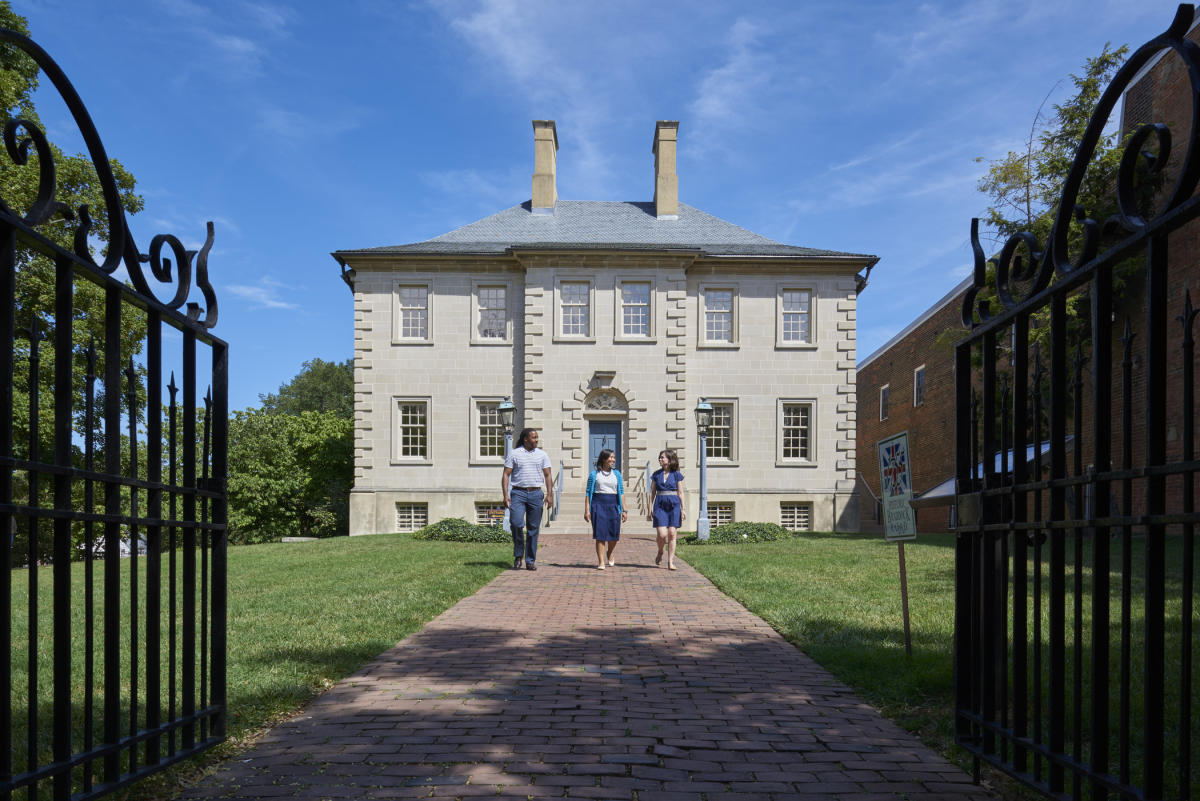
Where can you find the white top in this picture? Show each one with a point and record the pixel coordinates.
(527, 467)
(606, 483)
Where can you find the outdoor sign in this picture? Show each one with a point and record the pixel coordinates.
(895, 470)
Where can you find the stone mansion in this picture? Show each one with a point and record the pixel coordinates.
(606, 323)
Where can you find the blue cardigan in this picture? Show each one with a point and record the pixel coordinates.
(591, 486)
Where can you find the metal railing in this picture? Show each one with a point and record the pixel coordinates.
(123, 672)
(1074, 642)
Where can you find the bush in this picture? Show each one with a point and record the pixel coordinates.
(455, 529)
(733, 533)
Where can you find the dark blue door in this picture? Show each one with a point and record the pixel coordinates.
(604, 434)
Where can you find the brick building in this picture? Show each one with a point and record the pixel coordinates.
(606, 322)
(1159, 93)
(908, 385)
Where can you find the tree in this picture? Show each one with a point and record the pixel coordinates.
(320, 386)
(1025, 187)
(288, 475)
(77, 184)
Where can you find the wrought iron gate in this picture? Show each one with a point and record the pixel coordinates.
(113, 499)
(1076, 466)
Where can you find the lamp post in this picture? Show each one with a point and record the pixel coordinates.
(506, 411)
(704, 412)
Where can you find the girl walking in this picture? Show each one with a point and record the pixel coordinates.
(605, 507)
(667, 501)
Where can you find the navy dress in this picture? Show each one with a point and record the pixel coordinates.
(606, 511)
(668, 509)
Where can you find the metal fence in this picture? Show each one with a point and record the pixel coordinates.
(1075, 658)
(112, 496)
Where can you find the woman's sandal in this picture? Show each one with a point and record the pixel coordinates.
(671, 567)
(658, 559)
(600, 566)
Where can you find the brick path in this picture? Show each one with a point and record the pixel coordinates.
(633, 683)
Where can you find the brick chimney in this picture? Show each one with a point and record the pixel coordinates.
(545, 149)
(666, 180)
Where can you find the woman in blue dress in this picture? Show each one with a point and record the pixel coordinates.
(667, 501)
(604, 507)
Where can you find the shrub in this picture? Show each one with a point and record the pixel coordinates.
(455, 529)
(734, 533)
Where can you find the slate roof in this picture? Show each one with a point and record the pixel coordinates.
(603, 225)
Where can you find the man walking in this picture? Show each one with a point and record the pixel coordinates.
(527, 469)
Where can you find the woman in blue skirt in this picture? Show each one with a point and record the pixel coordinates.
(604, 507)
(666, 505)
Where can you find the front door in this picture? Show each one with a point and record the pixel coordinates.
(604, 434)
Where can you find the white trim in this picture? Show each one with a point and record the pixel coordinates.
(811, 342)
(473, 456)
(813, 441)
(559, 336)
(921, 370)
(396, 458)
(482, 283)
(701, 326)
(413, 281)
(882, 389)
(619, 334)
(732, 461)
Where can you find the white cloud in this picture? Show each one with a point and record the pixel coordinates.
(265, 294)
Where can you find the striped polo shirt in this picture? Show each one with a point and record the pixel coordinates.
(527, 466)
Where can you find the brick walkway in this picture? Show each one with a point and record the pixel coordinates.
(633, 683)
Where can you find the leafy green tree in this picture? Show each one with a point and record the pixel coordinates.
(1025, 186)
(77, 184)
(320, 386)
(289, 474)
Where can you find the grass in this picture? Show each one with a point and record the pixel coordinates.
(837, 597)
(301, 616)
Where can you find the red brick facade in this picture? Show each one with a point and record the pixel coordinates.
(1161, 94)
(930, 425)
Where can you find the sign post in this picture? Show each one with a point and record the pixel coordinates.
(899, 519)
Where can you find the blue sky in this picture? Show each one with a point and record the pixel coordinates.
(307, 127)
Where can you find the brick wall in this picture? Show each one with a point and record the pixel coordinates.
(930, 426)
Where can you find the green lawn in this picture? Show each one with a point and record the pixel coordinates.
(837, 597)
(301, 616)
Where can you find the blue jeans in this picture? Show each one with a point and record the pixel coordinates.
(525, 512)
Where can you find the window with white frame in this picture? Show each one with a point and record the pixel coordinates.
(489, 433)
(795, 316)
(491, 313)
(635, 309)
(718, 325)
(411, 429)
(795, 516)
(412, 312)
(575, 308)
(411, 516)
(883, 402)
(796, 431)
(919, 386)
(721, 432)
(720, 513)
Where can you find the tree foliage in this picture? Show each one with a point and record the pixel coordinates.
(320, 386)
(289, 475)
(1025, 186)
(77, 184)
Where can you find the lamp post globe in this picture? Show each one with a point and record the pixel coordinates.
(704, 411)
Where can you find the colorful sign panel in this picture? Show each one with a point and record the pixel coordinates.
(895, 471)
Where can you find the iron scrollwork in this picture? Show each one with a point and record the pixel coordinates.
(22, 135)
(1024, 267)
